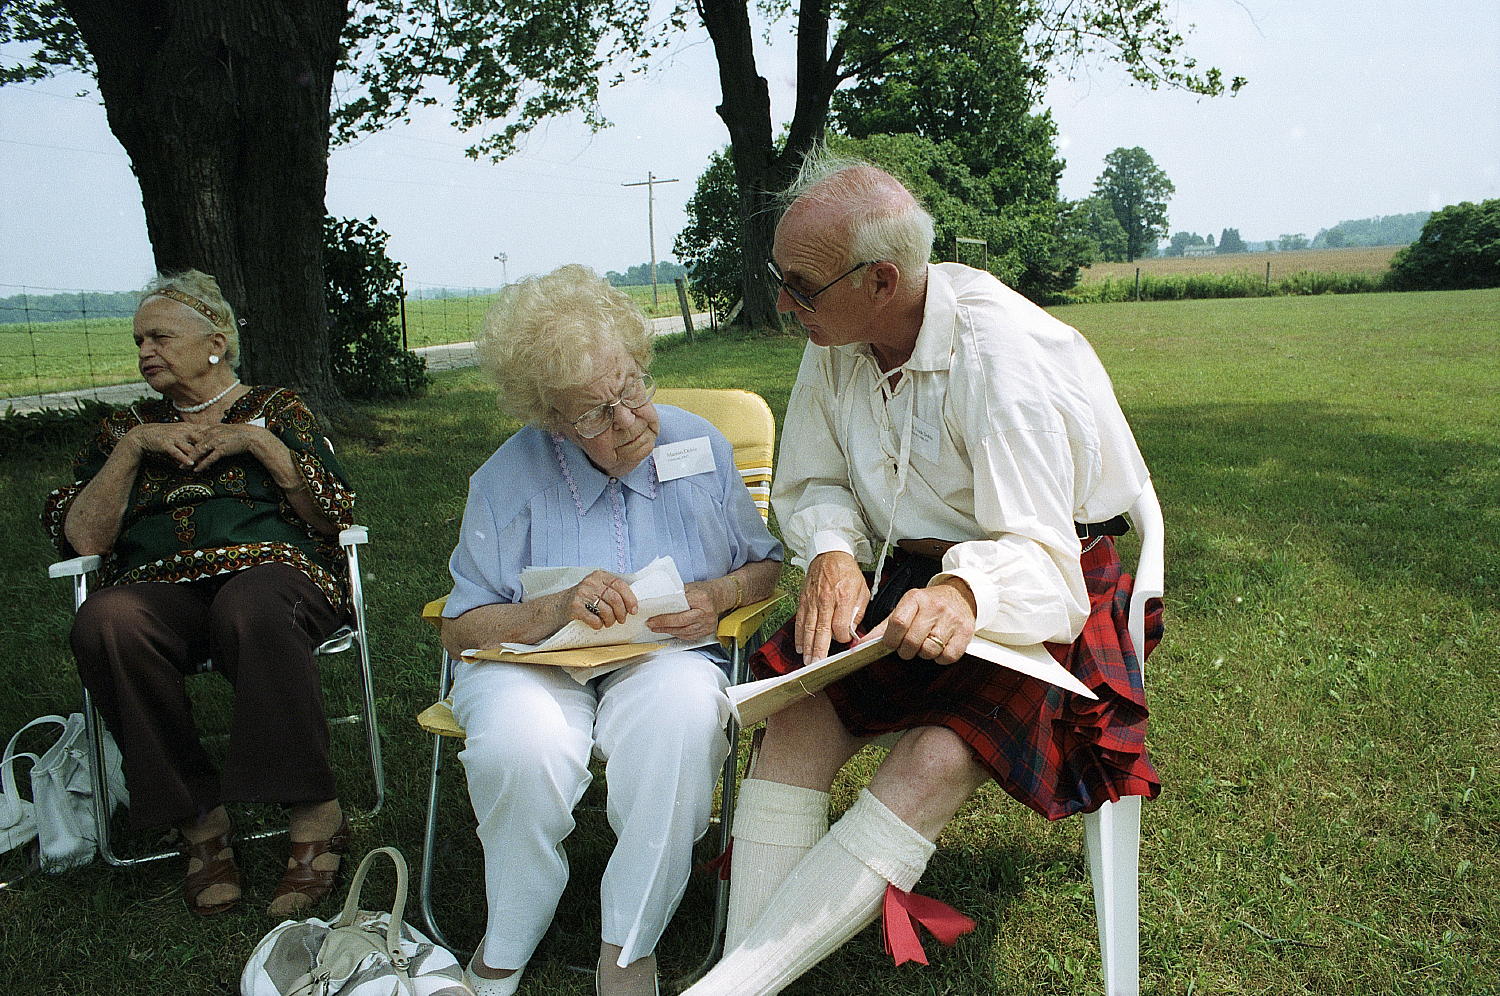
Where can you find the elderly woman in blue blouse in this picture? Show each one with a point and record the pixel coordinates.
(579, 487)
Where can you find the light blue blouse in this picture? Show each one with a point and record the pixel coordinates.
(538, 502)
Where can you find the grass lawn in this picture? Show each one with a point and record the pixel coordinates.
(1326, 713)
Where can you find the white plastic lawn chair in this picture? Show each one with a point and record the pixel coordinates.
(1112, 834)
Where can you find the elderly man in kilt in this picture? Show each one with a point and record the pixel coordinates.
(941, 416)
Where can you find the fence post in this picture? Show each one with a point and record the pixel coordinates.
(404, 346)
(1137, 283)
(1268, 276)
(687, 309)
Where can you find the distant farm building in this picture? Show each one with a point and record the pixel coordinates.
(1200, 251)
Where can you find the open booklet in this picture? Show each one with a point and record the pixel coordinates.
(587, 653)
(755, 700)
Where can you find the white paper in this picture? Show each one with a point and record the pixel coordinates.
(755, 700)
(683, 459)
(1030, 660)
(658, 590)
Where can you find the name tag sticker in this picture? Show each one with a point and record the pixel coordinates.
(684, 459)
(925, 440)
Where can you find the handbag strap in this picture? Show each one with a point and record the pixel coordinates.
(11, 754)
(10, 748)
(398, 908)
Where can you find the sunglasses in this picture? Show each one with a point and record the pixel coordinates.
(600, 418)
(804, 299)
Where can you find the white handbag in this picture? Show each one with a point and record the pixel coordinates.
(61, 810)
(358, 954)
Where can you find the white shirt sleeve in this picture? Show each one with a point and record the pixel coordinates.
(1027, 584)
(814, 504)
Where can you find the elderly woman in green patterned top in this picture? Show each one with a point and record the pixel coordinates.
(216, 510)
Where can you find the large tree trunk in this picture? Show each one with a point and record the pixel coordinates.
(223, 109)
(761, 171)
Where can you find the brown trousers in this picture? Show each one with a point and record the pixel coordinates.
(135, 643)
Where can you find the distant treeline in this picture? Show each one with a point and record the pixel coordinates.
(640, 275)
(1390, 230)
(66, 307)
(447, 293)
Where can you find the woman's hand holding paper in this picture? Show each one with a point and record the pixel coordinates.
(601, 599)
(700, 619)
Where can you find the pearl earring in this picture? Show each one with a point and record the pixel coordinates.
(214, 358)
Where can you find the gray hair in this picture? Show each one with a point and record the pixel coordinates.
(202, 294)
(884, 219)
(549, 333)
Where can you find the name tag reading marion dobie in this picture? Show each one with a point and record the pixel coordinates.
(683, 459)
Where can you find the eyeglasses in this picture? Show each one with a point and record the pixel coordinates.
(804, 299)
(599, 419)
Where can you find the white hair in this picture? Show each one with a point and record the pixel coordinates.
(204, 289)
(549, 333)
(884, 220)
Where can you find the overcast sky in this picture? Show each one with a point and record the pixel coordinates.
(1354, 108)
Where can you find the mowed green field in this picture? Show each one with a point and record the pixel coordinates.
(42, 357)
(1371, 261)
(1325, 709)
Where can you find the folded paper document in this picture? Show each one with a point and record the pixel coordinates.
(586, 652)
(589, 657)
(755, 700)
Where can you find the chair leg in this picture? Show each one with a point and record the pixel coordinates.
(728, 790)
(1113, 837)
(429, 833)
(93, 725)
(372, 720)
(429, 848)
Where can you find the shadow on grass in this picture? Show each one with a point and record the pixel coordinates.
(1379, 501)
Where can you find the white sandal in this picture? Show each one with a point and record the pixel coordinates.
(492, 987)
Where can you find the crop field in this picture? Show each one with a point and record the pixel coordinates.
(1325, 714)
(42, 357)
(1371, 261)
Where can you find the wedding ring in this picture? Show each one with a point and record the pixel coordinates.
(593, 606)
(940, 643)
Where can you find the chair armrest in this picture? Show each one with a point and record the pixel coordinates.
(438, 719)
(1150, 570)
(745, 620)
(432, 612)
(73, 568)
(354, 535)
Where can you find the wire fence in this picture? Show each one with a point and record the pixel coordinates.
(62, 345)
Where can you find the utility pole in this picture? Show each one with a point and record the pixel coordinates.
(650, 183)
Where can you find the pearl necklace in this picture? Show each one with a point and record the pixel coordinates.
(194, 409)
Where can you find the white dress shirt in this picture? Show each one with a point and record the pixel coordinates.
(1001, 432)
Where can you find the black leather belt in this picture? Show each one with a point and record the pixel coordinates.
(1118, 526)
(935, 548)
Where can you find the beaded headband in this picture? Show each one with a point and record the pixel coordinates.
(192, 302)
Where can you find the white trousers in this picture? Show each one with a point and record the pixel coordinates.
(658, 726)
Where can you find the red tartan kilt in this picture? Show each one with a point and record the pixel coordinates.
(1055, 751)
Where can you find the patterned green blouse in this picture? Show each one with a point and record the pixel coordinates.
(184, 526)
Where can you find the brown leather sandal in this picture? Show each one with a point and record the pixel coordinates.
(214, 871)
(302, 879)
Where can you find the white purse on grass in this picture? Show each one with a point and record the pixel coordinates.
(358, 954)
(61, 810)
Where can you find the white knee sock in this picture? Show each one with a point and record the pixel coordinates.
(828, 898)
(775, 825)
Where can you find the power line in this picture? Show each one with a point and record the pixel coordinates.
(650, 183)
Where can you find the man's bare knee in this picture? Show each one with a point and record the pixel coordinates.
(935, 755)
(805, 745)
(928, 776)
